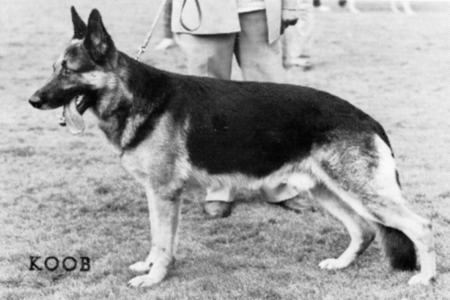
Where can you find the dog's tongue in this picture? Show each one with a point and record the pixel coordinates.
(73, 118)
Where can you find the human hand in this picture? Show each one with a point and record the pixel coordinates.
(289, 17)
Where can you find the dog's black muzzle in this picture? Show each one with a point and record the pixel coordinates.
(36, 101)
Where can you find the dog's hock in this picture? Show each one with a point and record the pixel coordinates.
(421, 279)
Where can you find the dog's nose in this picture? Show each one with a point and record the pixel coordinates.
(35, 101)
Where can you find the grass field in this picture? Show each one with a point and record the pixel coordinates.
(67, 195)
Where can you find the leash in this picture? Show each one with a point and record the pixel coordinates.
(142, 48)
(200, 17)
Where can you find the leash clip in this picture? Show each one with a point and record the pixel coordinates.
(140, 49)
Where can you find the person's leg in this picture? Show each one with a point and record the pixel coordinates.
(394, 6)
(318, 5)
(297, 39)
(218, 201)
(211, 56)
(352, 6)
(291, 193)
(208, 55)
(259, 60)
(167, 20)
(167, 40)
(407, 7)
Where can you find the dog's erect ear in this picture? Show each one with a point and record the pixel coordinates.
(97, 41)
(79, 27)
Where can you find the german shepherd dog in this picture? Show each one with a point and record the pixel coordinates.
(171, 128)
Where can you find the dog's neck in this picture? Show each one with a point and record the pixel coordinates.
(132, 102)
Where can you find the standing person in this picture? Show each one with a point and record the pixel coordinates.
(297, 39)
(210, 32)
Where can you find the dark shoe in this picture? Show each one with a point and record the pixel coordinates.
(295, 204)
(217, 209)
(342, 3)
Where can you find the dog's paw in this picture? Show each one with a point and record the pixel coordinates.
(155, 276)
(143, 281)
(332, 263)
(420, 279)
(140, 266)
(157, 273)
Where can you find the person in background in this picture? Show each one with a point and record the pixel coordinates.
(405, 4)
(167, 40)
(406, 7)
(351, 5)
(209, 32)
(297, 39)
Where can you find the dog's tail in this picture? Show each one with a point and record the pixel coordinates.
(399, 248)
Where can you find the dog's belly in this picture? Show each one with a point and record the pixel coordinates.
(294, 175)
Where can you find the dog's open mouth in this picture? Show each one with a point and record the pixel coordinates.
(72, 115)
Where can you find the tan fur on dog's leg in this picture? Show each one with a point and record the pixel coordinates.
(361, 231)
(419, 230)
(145, 266)
(369, 185)
(164, 208)
(382, 197)
(389, 206)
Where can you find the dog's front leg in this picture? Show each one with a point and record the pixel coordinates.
(164, 207)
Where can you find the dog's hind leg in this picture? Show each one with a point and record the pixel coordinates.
(386, 203)
(362, 231)
(368, 183)
(403, 230)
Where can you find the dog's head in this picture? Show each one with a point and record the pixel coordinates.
(80, 74)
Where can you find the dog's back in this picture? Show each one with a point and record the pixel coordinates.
(255, 128)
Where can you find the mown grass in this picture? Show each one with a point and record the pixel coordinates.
(63, 195)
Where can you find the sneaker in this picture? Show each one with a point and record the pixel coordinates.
(342, 3)
(217, 209)
(295, 204)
